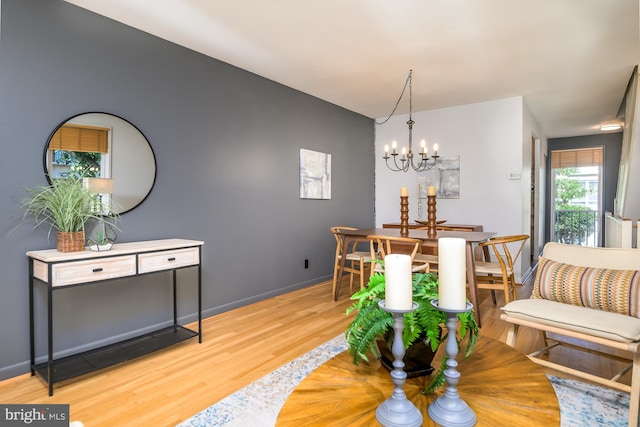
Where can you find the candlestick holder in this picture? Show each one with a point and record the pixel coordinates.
(450, 410)
(404, 216)
(398, 411)
(431, 216)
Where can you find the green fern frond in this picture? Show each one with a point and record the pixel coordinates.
(438, 379)
(359, 339)
(469, 330)
(412, 329)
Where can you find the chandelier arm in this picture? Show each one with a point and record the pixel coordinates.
(389, 166)
(403, 168)
(424, 165)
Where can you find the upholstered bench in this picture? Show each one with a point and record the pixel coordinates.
(589, 294)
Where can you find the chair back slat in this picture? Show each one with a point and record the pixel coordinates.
(506, 251)
(380, 246)
(353, 263)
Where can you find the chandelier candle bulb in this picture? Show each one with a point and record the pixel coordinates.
(431, 190)
(435, 149)
(398, 291)
(452, 290)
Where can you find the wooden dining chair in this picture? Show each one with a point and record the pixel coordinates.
(432, 258)
(497, 273)
(380, 246)
(355, 263)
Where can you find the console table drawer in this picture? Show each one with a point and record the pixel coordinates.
(70, 273)
(167, 260)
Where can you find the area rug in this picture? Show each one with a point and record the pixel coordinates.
(258, 404)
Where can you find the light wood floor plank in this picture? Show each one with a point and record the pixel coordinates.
(239, 347)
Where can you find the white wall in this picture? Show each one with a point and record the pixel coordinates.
(630, 163)
(489, 138)
(532, 134)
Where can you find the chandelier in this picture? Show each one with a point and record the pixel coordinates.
(406, 157)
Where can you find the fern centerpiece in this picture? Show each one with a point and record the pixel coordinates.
(424, 324)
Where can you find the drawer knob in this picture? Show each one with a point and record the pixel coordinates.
(172, 259)
(97, 270)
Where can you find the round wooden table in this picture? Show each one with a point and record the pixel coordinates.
(501, 385)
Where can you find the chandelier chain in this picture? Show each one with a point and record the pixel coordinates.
(406, 83)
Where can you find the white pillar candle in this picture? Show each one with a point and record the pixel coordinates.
(398, 288)
(452, 276)
(404, 192)
(431, 190)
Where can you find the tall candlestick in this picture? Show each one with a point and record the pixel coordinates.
(452, 288)
(450, 410)
(398, 411)
(431, 216)
(404, 216)
(398, 288)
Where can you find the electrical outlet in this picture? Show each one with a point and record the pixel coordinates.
(306, 263)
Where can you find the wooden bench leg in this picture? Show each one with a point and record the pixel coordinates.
(512, 335)
(634, 398)
(545, 341)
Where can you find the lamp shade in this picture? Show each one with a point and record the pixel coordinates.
(98, 185)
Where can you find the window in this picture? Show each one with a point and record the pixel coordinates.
(78, 150)
(576, 196)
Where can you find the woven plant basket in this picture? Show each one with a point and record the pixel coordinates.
(70, 241)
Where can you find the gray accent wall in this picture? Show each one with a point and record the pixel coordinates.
(227, 145)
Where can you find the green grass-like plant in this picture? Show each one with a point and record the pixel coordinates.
(371, 322)
(65, 205)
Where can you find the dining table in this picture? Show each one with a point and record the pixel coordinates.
(471, 238)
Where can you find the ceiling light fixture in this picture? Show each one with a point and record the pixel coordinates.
(610, 126)
(406, 156)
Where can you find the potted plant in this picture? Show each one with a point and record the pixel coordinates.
(65, 205)
(424, 325)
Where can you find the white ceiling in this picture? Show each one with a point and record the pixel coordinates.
(570, 59)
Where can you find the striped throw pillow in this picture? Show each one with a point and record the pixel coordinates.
(616, 291)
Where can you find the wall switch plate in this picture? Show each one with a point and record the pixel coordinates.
(514, 175)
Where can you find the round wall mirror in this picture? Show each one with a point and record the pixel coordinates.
(102, 145)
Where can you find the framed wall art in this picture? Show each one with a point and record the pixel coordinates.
(315, 175)
(445, 176)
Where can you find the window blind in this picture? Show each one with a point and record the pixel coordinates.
(89, 139)
(561, 159)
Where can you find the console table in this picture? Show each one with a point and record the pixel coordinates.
(59, 270)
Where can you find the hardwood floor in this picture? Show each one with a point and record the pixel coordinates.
(238, 347)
